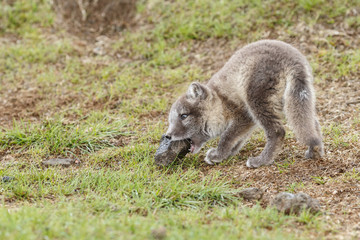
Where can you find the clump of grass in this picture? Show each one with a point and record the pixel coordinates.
(345, 64)
(22, 16)
(284, 166)
(135, 184)
(34, 53)
(319, 180)
(309, 5)
(57, 138)
(293, 187)
(335, 133)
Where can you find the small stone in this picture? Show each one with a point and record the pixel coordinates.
(295, 203)
(65, 162)
(251, 193)
(170, 150)
(7, 179)
(159, 233)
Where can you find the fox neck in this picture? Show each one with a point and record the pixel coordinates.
(215, 121)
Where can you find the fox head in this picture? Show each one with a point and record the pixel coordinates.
(190, 116)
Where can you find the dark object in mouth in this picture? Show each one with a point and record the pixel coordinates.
(170, 150)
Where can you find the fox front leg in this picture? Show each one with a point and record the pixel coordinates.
(229, 139)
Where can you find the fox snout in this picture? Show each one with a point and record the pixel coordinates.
(172, 134)
(169, 133)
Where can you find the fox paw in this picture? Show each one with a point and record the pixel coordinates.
(255, 162)
(212, 156)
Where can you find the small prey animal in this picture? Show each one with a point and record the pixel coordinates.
(259, 83)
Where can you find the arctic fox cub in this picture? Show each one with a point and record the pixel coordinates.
(257, 84)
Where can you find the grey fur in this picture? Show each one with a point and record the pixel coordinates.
(259, 83)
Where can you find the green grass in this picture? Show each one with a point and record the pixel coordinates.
(283, 166)
(57, 138)
(337, 137)
(294, 187)
(68, 222)
(133, 184)
(23, 17)
(110, 112)
(130, 201)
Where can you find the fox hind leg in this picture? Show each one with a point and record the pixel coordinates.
(267, 116)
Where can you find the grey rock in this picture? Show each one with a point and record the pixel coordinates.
(7, 179)
(295, 203)
(251, 193)
(170, 150)
(65, 162)
(159, 233)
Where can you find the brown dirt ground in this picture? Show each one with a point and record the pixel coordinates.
(18, 104)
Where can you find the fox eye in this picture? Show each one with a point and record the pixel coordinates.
(184, 116)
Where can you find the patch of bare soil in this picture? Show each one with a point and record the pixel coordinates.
(210, 54)
(19, 104)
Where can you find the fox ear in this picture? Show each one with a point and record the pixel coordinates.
(196, 91)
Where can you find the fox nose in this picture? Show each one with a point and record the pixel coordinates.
(170, 132)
